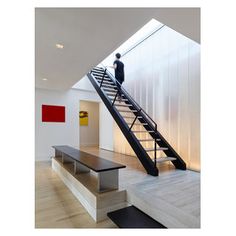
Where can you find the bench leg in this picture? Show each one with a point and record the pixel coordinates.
(108, 180)
(66, 159)
(58, 153)
(79, 169)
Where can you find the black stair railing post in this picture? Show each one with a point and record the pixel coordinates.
(115, 98)
(133, 123)
(103, 77)
(134, 120)
(155, 146)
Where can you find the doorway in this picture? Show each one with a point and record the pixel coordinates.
(89, 124)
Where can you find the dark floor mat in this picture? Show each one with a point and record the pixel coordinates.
(132, 217)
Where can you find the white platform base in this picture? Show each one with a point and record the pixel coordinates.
(84, 188)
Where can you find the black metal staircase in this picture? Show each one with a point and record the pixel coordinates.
(136, 125)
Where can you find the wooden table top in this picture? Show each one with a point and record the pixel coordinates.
(93, 162)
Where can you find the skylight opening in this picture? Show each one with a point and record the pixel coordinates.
(147, 30)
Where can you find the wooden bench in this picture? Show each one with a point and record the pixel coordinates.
(107, 171)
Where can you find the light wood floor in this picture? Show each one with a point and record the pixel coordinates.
(56, 206)
(176, 193)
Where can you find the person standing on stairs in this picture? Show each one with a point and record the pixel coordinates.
(118, 66)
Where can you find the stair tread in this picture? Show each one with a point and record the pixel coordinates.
(122, 100)
(163, 159)
(138, 124)
(132, 217)
(96, 74)
(104, 78)
(100, 74)
(127, 110)
(115, 91)
(98, 69)
(143, 131)
(105, 81)
(147, 140)
(108, 86)
(123, 105)
(109, 89)
(158, 149)
(131, 117)
(113, 94)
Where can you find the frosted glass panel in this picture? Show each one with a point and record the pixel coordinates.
(163, 75)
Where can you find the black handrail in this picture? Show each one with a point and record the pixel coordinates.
(121, 88)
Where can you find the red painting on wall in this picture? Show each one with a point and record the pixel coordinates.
(52, 113)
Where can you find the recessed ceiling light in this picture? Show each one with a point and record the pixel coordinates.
(60, 46)
(44, 79)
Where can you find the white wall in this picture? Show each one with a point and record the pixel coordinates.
(84, 84)
(89, 134)
(163, 76)
(48, 134)
(106, 128)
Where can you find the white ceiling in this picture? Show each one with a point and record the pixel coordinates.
(90, 34)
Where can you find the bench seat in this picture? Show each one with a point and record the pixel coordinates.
(94, 163)
(107, 171)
